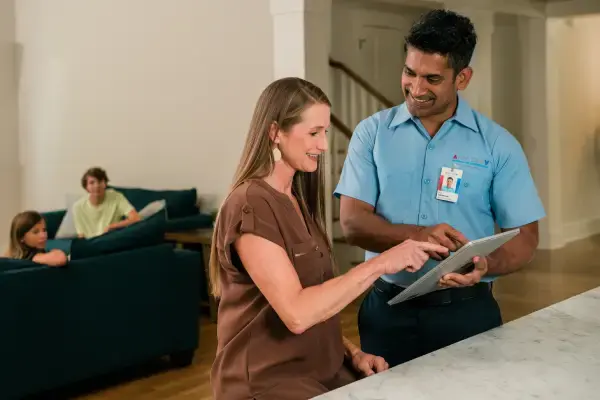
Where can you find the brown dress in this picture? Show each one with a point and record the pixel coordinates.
(258, 357)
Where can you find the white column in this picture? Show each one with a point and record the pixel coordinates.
(302, 37)
(541, 135)
(479, 91)
(10, 181)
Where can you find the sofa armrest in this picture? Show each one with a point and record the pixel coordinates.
(198, 221)
(191, 257)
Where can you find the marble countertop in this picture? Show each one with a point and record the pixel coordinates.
(551, 354)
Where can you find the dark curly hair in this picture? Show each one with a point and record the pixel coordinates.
(447, 33)
(95, 172)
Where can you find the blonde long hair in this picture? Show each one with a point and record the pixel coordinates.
(282, 103)
(21, 224)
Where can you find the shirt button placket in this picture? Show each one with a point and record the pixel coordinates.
(426, 181)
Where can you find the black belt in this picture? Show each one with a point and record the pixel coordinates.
(437, 298)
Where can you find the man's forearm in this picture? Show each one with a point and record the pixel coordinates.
(373, 233)
(515, 254)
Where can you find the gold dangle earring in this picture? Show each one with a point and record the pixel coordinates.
(276, 153)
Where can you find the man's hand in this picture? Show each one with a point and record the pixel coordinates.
(442, 234)
(470, 279)
(368, 364)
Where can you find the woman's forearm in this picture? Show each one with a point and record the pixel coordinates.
(316, 304)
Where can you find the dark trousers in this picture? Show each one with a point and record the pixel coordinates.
(410, 329)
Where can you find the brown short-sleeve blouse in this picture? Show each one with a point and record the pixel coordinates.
(256, 352)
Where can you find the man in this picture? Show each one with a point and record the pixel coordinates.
(449, 185)
(102, 210)
(390, 191)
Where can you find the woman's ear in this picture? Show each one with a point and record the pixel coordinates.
(274, 132)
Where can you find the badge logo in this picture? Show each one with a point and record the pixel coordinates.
(473, 161)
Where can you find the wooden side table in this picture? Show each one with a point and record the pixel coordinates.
(202, 237)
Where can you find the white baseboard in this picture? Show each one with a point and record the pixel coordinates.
(581, 229)
(570, 232)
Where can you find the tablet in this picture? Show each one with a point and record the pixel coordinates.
(456, 262)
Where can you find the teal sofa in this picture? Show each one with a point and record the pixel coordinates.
(181, 205)
(123, 299)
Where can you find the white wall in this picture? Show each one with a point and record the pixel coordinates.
(507, 102)
(369, 39)
(573, 50)
(160, 93)
(9, 162)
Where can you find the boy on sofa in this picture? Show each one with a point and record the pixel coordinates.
(103, 209)
(28, 238)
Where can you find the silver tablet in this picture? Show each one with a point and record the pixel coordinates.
(454, 263)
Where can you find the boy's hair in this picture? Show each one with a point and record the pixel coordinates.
(94, 172)
(446, 33)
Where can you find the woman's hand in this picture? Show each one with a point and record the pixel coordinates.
(409, 255)
(368, 364)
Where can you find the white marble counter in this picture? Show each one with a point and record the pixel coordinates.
(551, 354)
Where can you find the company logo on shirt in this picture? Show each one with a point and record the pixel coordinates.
(474, 161)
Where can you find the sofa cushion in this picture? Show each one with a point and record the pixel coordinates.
(53, 221)
(60, 244)
(180, 203)
(67, 227)
(9, 264)
(145, 233)
(152, 208)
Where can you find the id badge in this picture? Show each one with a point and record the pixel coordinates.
(449, 184)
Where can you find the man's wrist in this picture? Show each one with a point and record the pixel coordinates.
(489, 262)
(414, 232)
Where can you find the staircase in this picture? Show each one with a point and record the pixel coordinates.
(354, 99)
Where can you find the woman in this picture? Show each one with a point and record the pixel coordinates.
(28, 239)
(279, 334)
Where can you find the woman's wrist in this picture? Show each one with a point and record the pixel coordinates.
(351, 349)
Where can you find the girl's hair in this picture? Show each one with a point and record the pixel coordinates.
(281, 103)
(21, 224)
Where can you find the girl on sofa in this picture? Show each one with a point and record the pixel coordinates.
(28, 237)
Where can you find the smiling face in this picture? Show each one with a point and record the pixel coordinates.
(37, 236)
(95, 187)
(305, 142)
(429, 85)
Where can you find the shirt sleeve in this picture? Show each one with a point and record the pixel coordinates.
(248, 213)
(123, 205)
(515, 200)
(359, 173)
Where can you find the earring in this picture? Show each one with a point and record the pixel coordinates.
(276, 154)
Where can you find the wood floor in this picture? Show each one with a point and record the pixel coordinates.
(552, 277)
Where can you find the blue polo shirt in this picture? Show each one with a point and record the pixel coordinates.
(394, 165)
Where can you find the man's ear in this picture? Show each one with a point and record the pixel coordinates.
(463, 78)
(274, 132)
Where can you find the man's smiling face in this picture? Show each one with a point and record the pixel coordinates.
(429, 84)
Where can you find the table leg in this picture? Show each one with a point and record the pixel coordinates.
(211, 300)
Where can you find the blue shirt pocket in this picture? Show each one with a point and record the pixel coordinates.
(474, 191)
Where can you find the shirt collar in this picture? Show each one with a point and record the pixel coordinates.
(464, 115)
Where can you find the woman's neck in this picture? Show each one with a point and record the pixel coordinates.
(281, 178)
